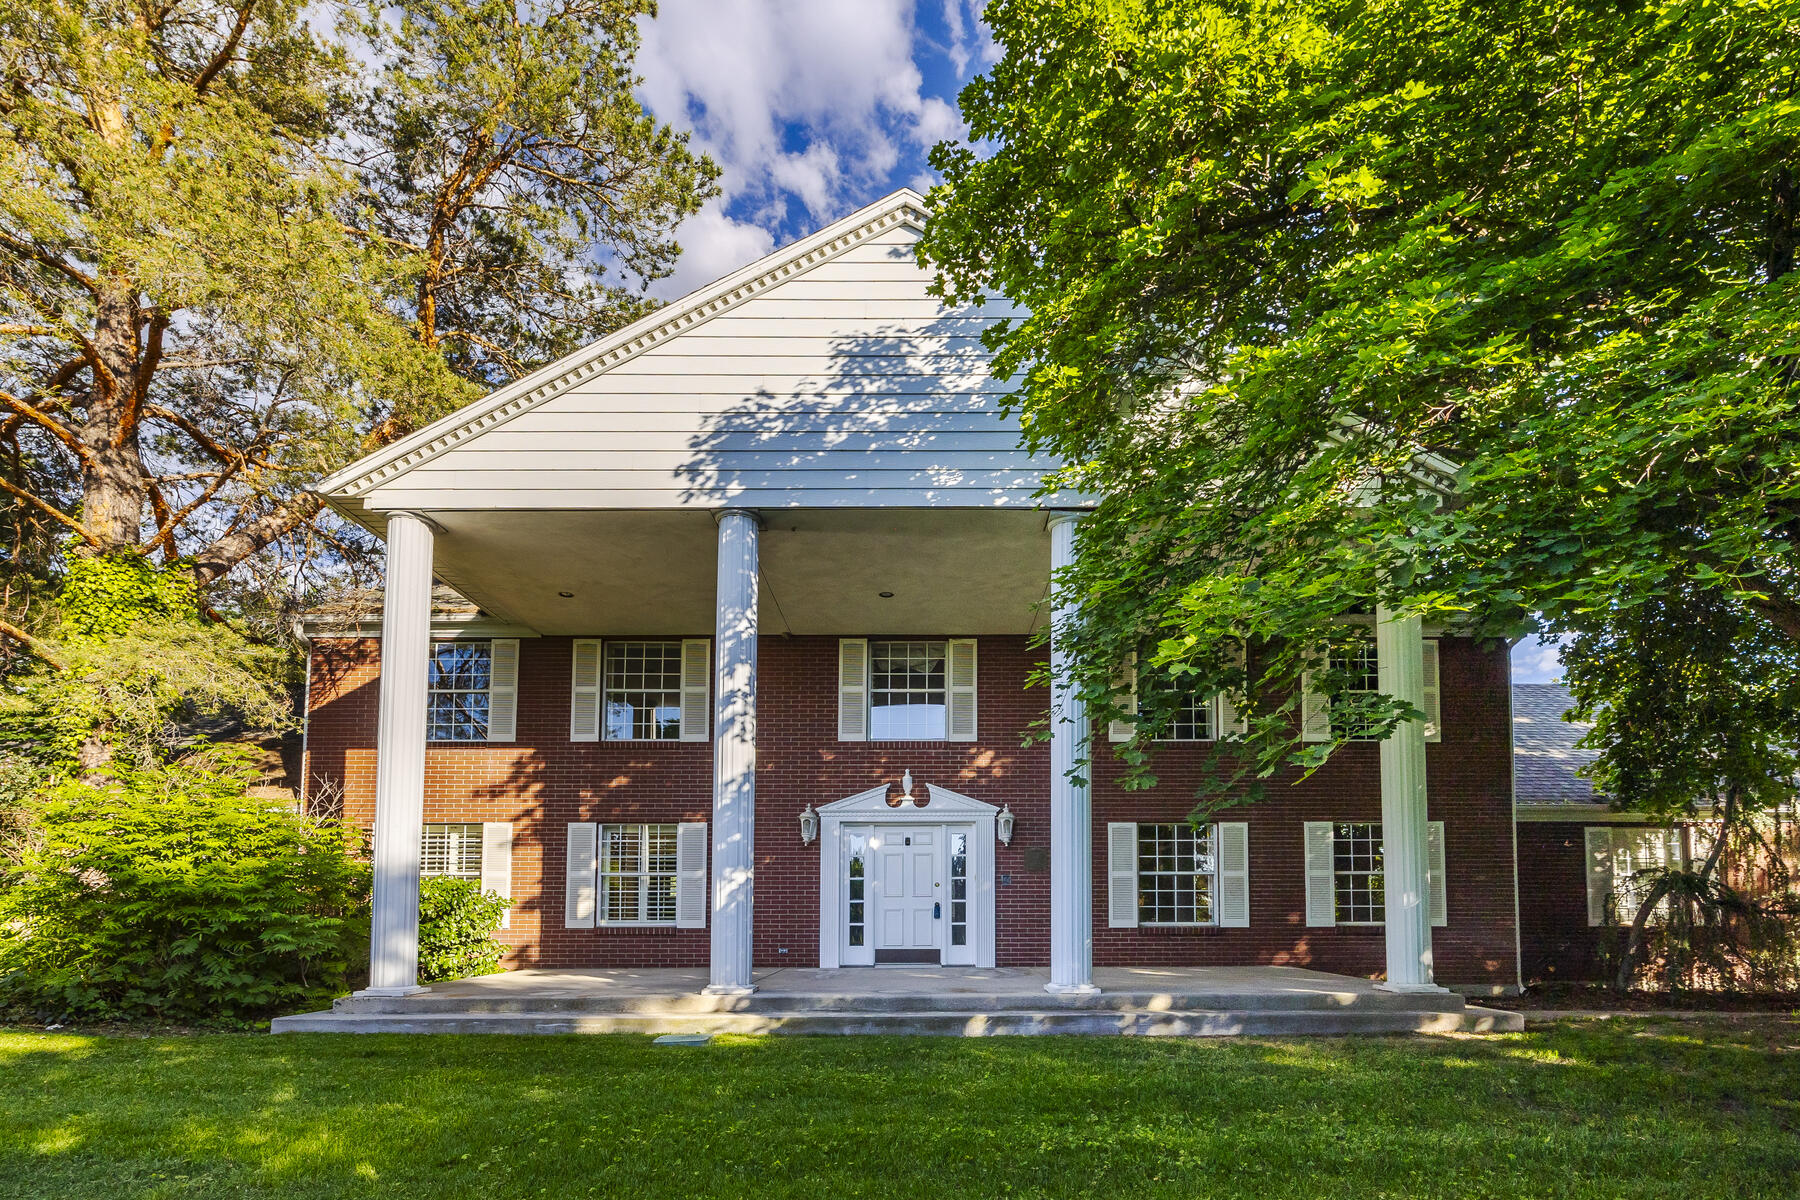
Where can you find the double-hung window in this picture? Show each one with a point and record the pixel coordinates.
(457, 690)
(908, 690)
(471, 690)
(637, 874)
(1177, 874)
(1358, 896)
(453, 850)
(1359, 667)
(643, 691)
(1192, 717)
(913, 689)
(1346, 881)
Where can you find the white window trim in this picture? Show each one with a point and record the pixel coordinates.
(1123, 875)
(643, 875)
(1603, 845)
(1212, 840)
(682, 652)
(1222, 716)
(476, 839)
(1315, 708)
(856, 689)
(1437, 883)
(502, 690)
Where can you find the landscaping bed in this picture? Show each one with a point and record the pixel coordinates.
(1636, 1107)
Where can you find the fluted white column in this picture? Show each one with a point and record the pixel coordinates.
(400, 757)
(734, 757)
(1400, 658)
(1071, 826)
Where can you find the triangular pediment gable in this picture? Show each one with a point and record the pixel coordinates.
(944, 805)
(823, 375)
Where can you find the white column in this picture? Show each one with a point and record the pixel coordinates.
(734, 756)
(400, 757)
(1400, 655)
(1071, 825)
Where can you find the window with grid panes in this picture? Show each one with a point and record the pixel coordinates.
(637, 874)
(451, 849)
(1356, 873)
(1177, 871)
(643, 691)
(908, 697)
(1192, 719)
(456, 691)
(1361, 669)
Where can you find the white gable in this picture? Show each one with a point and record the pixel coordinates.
(824, 376)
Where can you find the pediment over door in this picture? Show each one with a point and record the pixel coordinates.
(943, 805)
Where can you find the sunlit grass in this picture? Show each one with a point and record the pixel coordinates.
(1626, 1109)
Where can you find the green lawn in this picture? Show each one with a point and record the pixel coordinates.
(1645, 1108)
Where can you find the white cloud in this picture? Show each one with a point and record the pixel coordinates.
(713, 245)
(1536, 661)
(809, 106)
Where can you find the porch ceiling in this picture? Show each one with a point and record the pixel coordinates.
(951, 571)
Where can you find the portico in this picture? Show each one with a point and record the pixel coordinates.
(761, 554)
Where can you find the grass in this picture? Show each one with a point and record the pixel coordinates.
(1627, 1108)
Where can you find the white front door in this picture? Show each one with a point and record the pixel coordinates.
(909, 894)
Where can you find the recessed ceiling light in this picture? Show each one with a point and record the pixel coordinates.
(885, 595)
(567, 595)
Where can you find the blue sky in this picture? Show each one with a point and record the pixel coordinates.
(814, 108)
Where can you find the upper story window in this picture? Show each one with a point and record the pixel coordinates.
(908, 690)
(1361, 669)
(457, 691)
(1193, 718)
(643, 691)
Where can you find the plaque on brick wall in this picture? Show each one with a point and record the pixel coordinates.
(1037, 858)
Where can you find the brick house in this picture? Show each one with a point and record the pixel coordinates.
(743, 669)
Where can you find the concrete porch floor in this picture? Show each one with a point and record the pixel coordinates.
(1168, 1001)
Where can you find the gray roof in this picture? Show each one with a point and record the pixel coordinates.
(1545, 757)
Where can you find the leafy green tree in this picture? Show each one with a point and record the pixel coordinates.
(502, 157)
(171, 894)
(1480, 309)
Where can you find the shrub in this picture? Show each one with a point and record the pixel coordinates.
(457, 921)
(166, 892)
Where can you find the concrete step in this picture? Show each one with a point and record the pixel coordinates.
(790, 1003)
(934, 1022)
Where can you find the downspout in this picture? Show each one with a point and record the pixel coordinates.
(1512, 790)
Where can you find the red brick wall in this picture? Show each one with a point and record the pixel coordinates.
(543, 781)
(1558, 941)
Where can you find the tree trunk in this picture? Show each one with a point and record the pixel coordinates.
(1634, 944)
(112, 477)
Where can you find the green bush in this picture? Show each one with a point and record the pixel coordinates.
(168, 893)
(457, 921)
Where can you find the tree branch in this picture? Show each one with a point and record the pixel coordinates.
(239, 544)
(51, 511)
(227, 51)
(37, 647)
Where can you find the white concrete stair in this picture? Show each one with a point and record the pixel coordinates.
(1196, 1002)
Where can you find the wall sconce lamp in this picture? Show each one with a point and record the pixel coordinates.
(809, 825)
(1003, 825)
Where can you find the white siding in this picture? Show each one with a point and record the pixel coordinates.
(846, 384)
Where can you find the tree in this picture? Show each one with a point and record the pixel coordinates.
(187, 327)
(499, 147)
(1480, 309)
(229, 262)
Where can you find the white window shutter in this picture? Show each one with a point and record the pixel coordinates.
(960, 674)
(584, 692)
(1599, 872)
(696, 690)
(1434, 693)
(581, 888)
(1230, 721)
(1315, 712)
(503, 689)
(1436, 883)
(1321, 881)
(496, 862)
(1121, 875)
(853, 689)
(1234, 874)
(690, 875)
(1121, 731)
